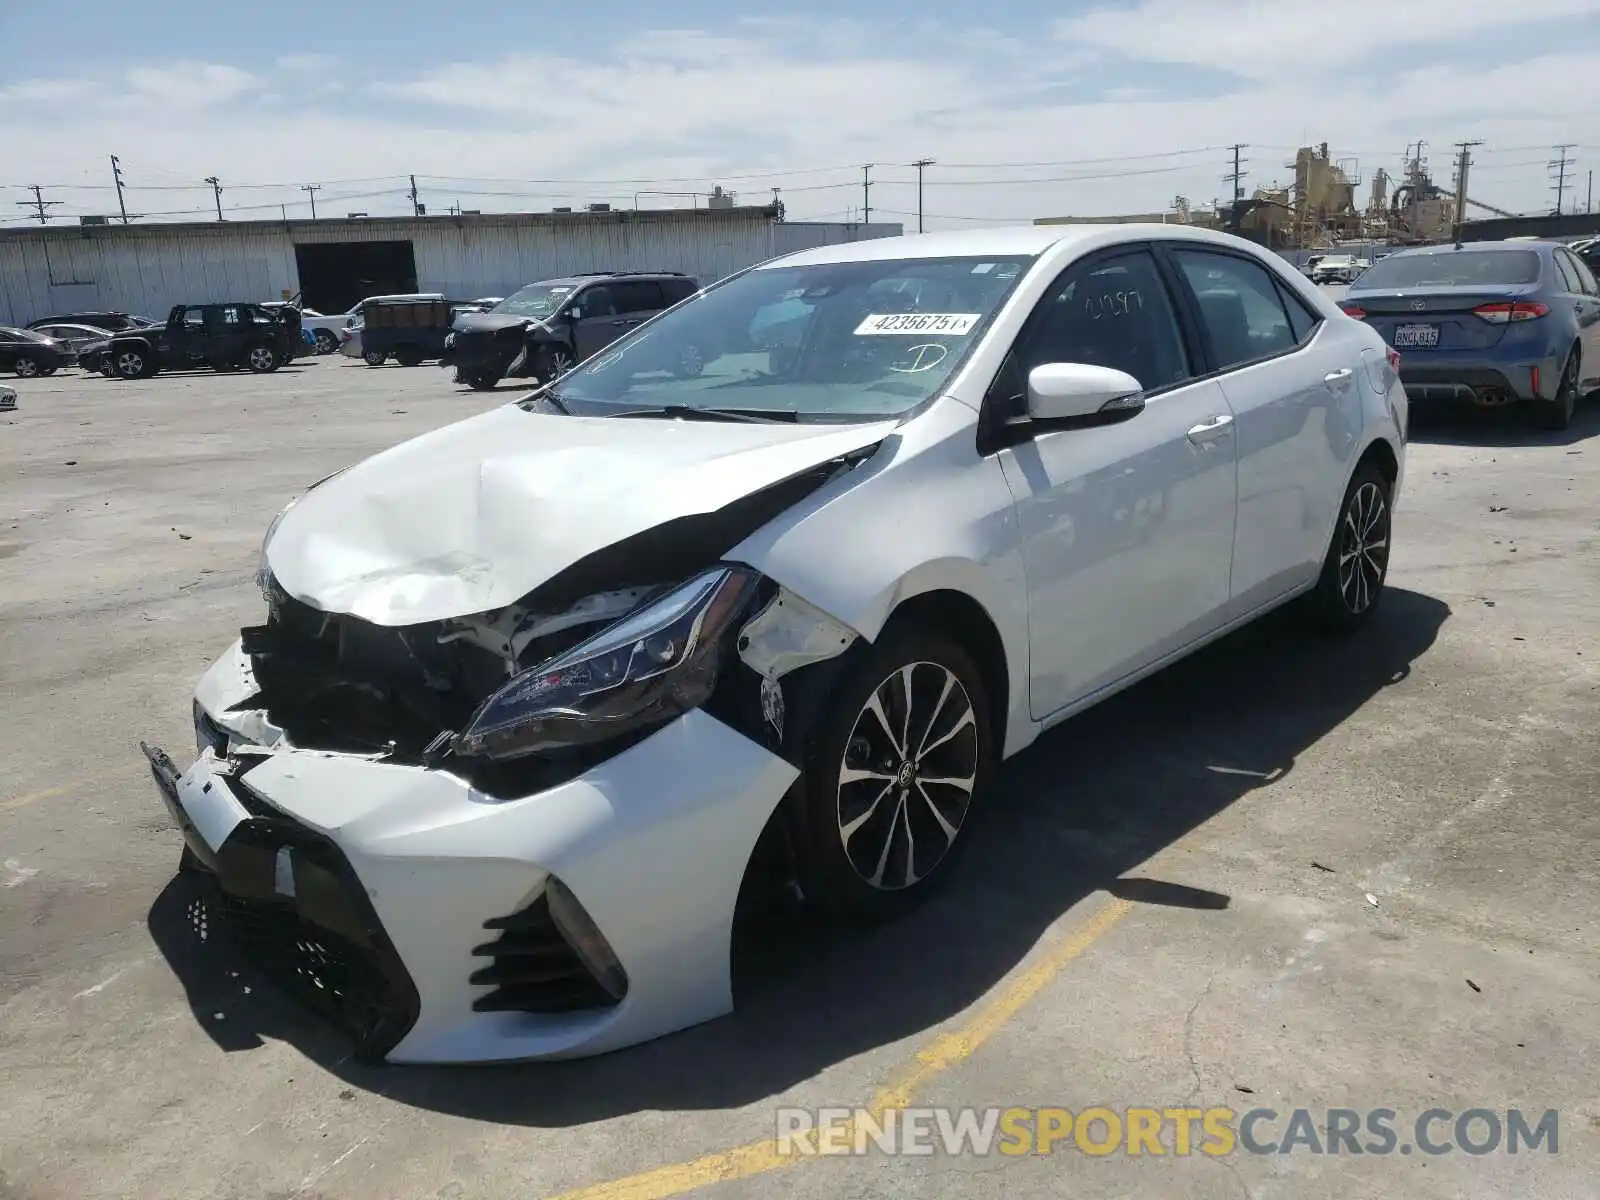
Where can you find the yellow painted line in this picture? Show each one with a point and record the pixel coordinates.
(65, 789)
(938, 1056)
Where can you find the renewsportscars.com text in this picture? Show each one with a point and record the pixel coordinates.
(1215, 1132)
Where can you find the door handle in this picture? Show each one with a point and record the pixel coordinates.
(1209, 430)
(1338, 376)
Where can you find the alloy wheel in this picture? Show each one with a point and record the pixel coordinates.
(907, 777)
(27, 368)
(1363, 548)
(130, 365)
(263, 358)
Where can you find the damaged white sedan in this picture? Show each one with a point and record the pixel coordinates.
(795, 563)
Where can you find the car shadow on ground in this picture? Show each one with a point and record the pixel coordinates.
(1072, 815)
(1509, 425)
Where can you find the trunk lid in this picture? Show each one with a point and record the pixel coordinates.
(1447, 310)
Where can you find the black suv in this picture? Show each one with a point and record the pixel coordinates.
(221, 336)
(545, 329)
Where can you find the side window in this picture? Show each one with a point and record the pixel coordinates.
(230, 316)
(637, 296)
(679, 289)
(1111, 312)
(193, 318)
(1581, 272)
(1302, 321)
(1569, 279)
(1240, 306)
(596, 302)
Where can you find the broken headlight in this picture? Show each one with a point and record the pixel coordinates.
(657, 662)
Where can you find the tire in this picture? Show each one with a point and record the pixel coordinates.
(1357, 565)
(1555, 415)
(408, 356)
(326, 342)
(554, 362)
(483, 380)
(869, 847)
(133, 364)
(374, 359)
(263, 360)
(26, 367)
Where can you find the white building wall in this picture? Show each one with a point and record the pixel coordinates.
(148, 269)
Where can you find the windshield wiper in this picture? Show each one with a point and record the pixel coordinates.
(689, 412)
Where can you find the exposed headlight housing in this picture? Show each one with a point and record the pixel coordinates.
(656, 663)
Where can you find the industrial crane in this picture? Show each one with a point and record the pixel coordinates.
(1499, 212)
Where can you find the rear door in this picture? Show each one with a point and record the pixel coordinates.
(1295, 389)
(637, 301)
(1585, 300)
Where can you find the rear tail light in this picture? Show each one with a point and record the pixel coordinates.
(1394, 359)
(1353, 310)
(1505, 311)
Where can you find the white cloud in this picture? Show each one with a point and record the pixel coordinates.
(684, 108)
(1278, 39)
(307, 64)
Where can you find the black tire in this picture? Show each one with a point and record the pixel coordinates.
(871, 848)
(374, 359)
(1357, 565)
(1556, 415)
(486, 379)
(263, 360)
(553, 362)
(133, 363)
(408, 356)
(26, 367)
(47, 370)
(327, 343)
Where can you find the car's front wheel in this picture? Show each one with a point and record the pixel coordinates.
(262, 359)
(897, 760)
(132, 364)
(485, 379)
(1357, 565)
(25, 367)
(374, 359)
(326, 342)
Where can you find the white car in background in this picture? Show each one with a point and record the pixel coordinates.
(488, 778)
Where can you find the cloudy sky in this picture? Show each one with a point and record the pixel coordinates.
(1034, 108)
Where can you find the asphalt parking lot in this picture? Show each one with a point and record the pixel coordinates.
(1284, 874)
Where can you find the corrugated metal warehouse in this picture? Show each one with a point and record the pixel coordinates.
(146, 269)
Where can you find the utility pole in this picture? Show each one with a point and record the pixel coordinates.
(311, 189)
(1588, 204)
(1463, 166)
(216, 191)
(39, 203)
(1236, 176)
(1559, 165)
(866, 194)
(416, 206)
(921, 165)
(116, 174)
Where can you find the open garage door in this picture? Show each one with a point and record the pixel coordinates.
(336, 275)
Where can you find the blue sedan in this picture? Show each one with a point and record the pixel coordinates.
(1490, 322)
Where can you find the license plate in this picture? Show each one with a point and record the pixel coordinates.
(1416, 335)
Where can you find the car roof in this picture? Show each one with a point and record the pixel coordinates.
(1471, 248)
(1003, 241)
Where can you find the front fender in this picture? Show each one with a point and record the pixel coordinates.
(926, 513)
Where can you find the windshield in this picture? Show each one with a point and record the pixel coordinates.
(535, 300)
(1454, 268)
(858, 340)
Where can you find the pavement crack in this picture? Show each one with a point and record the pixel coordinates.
(1188, 1035)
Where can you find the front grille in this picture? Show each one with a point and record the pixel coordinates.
(533, 969)
(324, 945)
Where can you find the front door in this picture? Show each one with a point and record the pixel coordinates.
(596, 321)
(1585, 301)
(1127, 529)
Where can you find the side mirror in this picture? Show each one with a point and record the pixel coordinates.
(1081, 396)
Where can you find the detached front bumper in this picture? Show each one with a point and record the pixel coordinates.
(429, 906)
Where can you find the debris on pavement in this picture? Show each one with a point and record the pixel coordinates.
(1320, 867)
(1474, 986)
(1372, 900)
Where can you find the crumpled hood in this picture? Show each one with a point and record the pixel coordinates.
(474, 516)
(490, 322)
